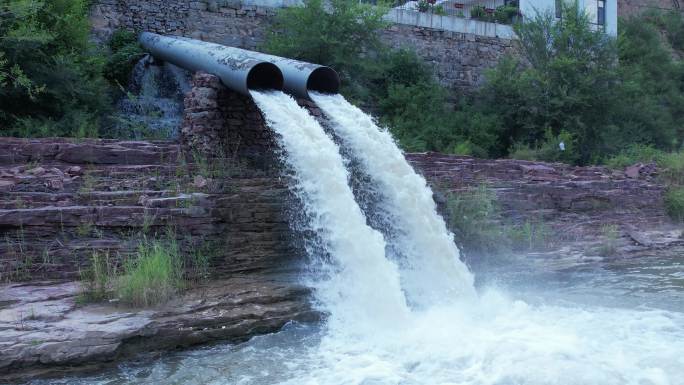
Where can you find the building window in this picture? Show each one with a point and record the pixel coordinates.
(601, 12)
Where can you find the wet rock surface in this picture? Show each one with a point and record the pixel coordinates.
(61, 200)
(43, 330)
(579, 204)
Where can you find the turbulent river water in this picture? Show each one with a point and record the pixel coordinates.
(404, 309)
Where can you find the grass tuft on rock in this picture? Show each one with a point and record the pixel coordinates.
(153, 276)
(96, 280)
(474, 215)
(674, 203)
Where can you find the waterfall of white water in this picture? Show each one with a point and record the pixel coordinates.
(362, 286)
(372, 337)
(431, 270)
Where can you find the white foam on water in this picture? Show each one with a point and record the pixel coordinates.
(362, 286)
(432, 271)
(499, 341)
(372, 338)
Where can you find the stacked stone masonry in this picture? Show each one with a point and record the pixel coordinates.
(459, 59)
(221, 122)
(628, 8)
(62, 200)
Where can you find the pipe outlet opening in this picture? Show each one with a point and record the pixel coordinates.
(265, 76)
(324, 80)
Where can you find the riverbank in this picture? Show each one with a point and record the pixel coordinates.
(44, 331)
(63, 199)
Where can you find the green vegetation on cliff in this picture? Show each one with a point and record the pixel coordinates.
(475, 217)
(671, 173)
(395, 84)
(596, 94)
(53, 84)
(52, 77)
(570, 84)
(153, 276)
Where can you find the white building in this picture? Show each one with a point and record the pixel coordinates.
(482, 17)
(602, 13)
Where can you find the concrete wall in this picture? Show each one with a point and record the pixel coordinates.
(449, 23)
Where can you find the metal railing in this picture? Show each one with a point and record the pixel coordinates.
(495, 11)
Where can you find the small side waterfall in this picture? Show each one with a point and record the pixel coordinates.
(431, 270)
(361, 286)
(153, 106)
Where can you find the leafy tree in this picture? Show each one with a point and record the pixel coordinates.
(394, 84)
(564, 81)
(653, 81)
(51, 75)
(569, 84)
(338, 33)
(125, 53)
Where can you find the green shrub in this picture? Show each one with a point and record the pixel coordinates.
(607, 94)
(523, 151)
(479, 12)
(564, 84)
(674, 203)
(472, 216)
(672, 165)
(153, 275)
(125, 53)
(669, 22)
(505, 14)
(651, 111)
(423, 6)
(530, 235)
(50, 72)
(610, 240)
(636, 153)
(421, 120)
(549, 150)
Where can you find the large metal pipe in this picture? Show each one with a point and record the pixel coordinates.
(302, 77)
(297, 77)
(237, 68)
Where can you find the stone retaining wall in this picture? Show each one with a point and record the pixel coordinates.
(221, 122)
(459, 58)
(628, 8)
